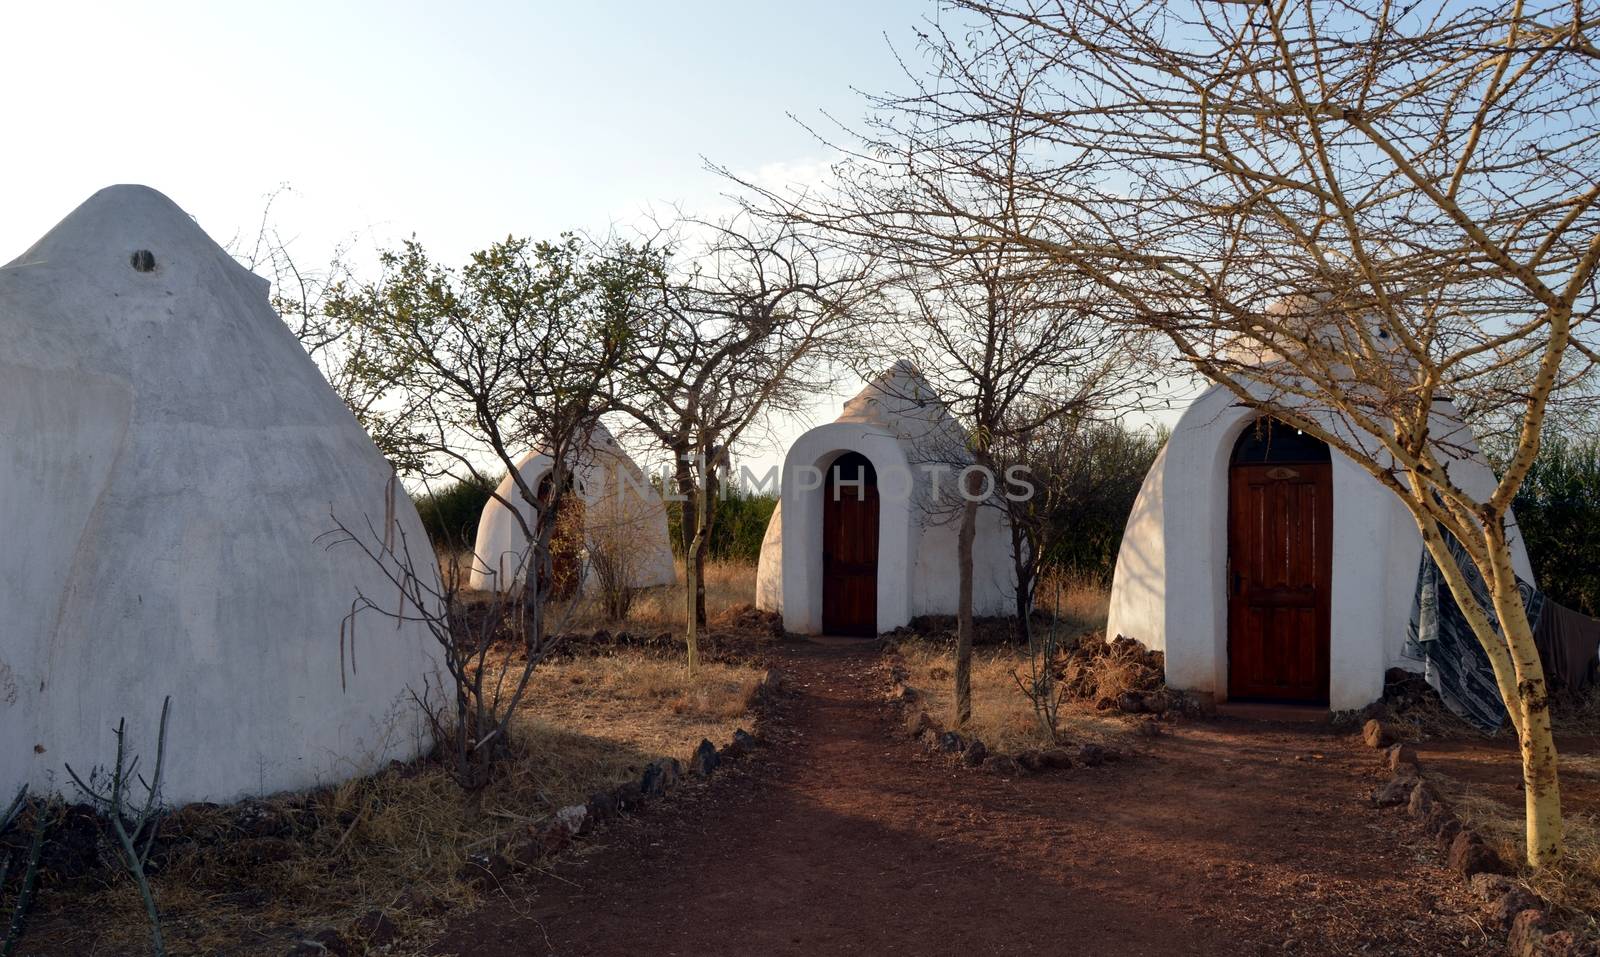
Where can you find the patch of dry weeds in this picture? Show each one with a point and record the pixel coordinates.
(1002, 716)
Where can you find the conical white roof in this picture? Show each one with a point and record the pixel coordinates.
(902, 402)
(169, 456)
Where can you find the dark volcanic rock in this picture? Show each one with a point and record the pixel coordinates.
(920, 721)
(1031, 760)
(660, 776)
(1002, 764)
(1445, 837)
(705, 759)
(1400, 755)
(602, 805)
(1094, 755)
(629, 795)
(1393, 792)
(1505, 898)
(1056, 759)
(1527, 933)
(1422, 800)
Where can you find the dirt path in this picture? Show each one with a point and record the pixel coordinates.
(1225, 838)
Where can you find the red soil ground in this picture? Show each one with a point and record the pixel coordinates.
(1494, 767)
(1221, 838)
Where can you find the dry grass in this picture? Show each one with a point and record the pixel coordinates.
(1080, 603)
(589, 723)
(1002, 716)
(728, 585)
(641, 702)
(1573, 886)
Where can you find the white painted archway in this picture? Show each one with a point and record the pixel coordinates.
(1169, 590)
(801, 502)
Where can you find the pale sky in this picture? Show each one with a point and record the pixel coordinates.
(460, 123)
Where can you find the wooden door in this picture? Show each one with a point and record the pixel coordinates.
(850, 548)
(1280, 557)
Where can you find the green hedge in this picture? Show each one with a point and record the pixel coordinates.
(450, 513)
(740, 522)
(1558, 510)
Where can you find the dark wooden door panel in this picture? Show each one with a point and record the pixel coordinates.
(1280, 523)
(850, 550)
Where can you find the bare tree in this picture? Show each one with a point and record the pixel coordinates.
(1008, 346)
(742, 330)
(1349, 217)
(472, 706)
(1011, 353)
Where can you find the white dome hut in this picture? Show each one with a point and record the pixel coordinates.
(1269, 567)
(621, 509)
(864, 536)
(169, 457)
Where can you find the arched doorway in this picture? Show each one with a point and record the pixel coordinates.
(850, 547)
(1280, 564)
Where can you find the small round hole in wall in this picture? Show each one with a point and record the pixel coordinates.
(143, 260)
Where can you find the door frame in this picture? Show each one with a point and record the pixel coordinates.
(1297, 459)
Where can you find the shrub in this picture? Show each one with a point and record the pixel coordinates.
(450, 513)
(1558, 511)
(610, 536)
(1086, 478)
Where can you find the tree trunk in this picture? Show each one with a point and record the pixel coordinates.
(537, 572)
(683, 475)
(1026, 569)
(708, 519)
(694, 584)
(1482, 628)
(1541, 785)
(969, 529)
(1518, 673)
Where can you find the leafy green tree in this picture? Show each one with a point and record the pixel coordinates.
(1558, 511)
(520, 347)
